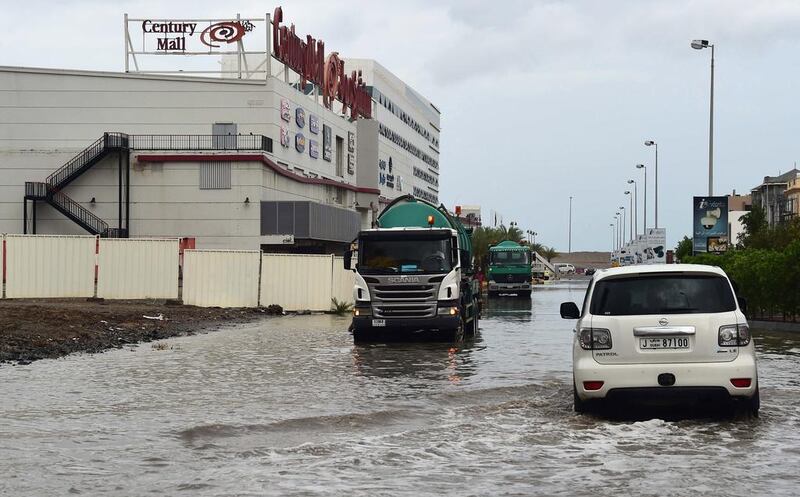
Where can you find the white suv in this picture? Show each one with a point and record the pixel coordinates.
(662, 333)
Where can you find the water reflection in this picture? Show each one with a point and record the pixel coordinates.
(510, 308)
(429, 361)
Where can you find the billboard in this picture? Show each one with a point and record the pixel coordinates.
(654, 246)
(710, 227)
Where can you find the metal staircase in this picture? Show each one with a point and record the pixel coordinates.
(50, 190)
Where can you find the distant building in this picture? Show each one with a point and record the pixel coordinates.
(771, 195)
(738, 206)
(792, 202)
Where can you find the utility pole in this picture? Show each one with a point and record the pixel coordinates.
(569, 249)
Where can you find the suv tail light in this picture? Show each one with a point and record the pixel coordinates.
(734, 335)
(741, 382)
(595, 339)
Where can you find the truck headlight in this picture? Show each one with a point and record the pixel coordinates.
(362, 311)
(448, 310)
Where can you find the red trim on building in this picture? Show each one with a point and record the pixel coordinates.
(252, 158)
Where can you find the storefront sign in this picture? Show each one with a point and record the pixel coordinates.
(351, 164)
(327, 152)
(313, 149)
(300, 142)
(351, 141)
(710, 233)
(285, 137)
(313, 123)
(307, 58)
(286, 114)
(300, 117)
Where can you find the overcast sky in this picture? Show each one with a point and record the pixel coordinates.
(540, 100)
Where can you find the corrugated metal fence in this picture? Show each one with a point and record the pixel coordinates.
(137, 268)
(49, 266)
(221, 278)
(46, 266)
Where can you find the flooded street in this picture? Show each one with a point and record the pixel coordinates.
(290, 407)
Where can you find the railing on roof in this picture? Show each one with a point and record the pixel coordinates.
(201, 142)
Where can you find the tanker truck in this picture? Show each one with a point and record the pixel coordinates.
(414, 275)
(510, 269)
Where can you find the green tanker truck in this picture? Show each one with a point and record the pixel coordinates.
(414, 275)
(510, 269)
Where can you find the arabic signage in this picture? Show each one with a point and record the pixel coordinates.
(710, 229)
(300, 117)
(171, 35)
(285, 137)
(313, 149)
(313, 123)
(307, 58)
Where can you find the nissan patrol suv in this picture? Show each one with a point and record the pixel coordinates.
(662, 333)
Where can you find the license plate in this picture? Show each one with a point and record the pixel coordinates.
(664, 343)
(379, 322)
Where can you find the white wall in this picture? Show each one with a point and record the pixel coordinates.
(47, 116)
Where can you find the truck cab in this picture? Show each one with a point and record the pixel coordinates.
(510, 269)
(413, 274)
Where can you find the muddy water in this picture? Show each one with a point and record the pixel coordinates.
(291, 407)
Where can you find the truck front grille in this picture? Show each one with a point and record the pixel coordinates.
(404, 301)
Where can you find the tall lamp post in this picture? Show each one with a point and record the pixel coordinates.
(636, 209)
(642, 166)
(699, 45)
(613, 240)
(619, 231)
(624, 231)
(630, 194)
(569, 249)
(651, 143)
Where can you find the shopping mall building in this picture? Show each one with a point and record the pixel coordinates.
(285, 147)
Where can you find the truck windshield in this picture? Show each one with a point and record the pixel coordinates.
(510, 257)
(662, 294)
(406, 255)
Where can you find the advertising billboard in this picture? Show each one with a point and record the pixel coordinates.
(654, 248)
(710, 227)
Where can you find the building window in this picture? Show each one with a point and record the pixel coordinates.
(340, 156)
(215, 175)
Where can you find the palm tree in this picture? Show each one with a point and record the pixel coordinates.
(549, 253)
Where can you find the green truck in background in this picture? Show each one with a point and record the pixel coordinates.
(414, 274)
(510, 269)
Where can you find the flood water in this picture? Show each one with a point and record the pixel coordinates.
(290, 406)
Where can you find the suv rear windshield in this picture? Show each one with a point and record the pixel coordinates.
(662, 294)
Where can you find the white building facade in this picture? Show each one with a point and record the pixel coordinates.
(234, 163)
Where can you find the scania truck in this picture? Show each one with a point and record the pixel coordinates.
(414, 275)
(510, 269)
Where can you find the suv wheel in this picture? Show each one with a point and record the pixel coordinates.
(580, 406)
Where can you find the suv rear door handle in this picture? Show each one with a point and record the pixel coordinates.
(655, 331)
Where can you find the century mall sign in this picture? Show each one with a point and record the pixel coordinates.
(305, 57)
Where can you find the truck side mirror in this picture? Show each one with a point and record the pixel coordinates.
(348, 256)
(570, 311)
(466, 263)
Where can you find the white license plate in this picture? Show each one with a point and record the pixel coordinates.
(664, 343)
(379, 322)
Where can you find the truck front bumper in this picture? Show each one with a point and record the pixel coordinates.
(508, 287)
(406, 325)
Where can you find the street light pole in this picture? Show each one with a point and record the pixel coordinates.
(699, 45)
(650, 143)
(619, 231)
(635, 208)
(570, 225)
(613, 237)
(631, 213)
(642, 166)
(624, 230)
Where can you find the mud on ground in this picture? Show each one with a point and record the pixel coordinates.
(41, 329)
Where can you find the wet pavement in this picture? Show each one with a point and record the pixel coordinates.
(291, 407)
